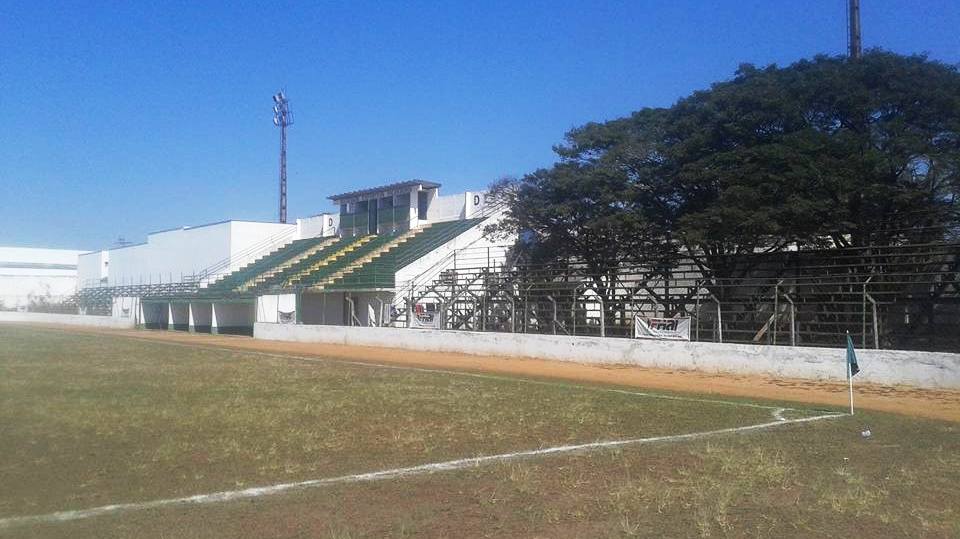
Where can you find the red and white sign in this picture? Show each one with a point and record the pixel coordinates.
(672, 329)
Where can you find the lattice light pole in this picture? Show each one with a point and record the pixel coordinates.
(854, 40)
(282, 117)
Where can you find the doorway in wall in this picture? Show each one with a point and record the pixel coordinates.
(423, 198)
(372, 217)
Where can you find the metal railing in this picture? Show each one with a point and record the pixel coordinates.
(203, 277)
(907, 298)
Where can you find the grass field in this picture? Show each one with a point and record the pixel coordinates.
(88, 421)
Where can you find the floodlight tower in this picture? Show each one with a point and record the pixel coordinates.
(854, 39)
(282, 117)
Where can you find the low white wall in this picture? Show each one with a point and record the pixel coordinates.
(67, 319)
(923, 369)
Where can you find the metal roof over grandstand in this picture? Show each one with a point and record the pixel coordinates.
(390, 187)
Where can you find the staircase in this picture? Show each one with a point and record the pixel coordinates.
(307, 264)
(380, 271)
(240, 279)
(318, 280)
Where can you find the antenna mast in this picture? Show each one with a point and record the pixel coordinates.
(282, 117)
(856, 47)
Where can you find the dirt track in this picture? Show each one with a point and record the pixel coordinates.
(935, 404)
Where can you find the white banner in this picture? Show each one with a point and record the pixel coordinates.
(423, 318)
(673, 329)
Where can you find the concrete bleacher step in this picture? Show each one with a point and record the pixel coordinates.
(362, 261)
(276, 270)
(261, 277)
(380, 272)
(326, 261)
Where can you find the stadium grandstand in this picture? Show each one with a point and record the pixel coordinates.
(337, 269)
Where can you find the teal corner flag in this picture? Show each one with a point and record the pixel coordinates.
(852, 357)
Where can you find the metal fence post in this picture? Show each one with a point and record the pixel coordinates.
(719, 318)
(553, 322)
(793, 320)
(603, 316)
(863, 332)
(876, 321)
(776, 309)
(697, 309)
(573, 309)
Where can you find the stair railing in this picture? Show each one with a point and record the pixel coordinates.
(241, 258)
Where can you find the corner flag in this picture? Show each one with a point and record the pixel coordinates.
(852, 357)
(852, 368)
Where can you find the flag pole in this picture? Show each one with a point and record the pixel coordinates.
(849, 377)
(850, 384)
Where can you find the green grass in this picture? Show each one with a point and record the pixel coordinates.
(88, 421)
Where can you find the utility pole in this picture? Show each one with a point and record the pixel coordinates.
(854, 39)
(282, 117)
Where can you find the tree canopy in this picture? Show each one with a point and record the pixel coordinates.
(827, 151)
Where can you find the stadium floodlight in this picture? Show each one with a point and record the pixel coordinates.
(282, 117)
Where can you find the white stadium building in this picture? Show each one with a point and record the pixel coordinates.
(36, 277)
(348, 268)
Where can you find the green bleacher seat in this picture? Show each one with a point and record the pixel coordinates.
(278, 278)
(380, 272)
(263, 264)
(325, 271)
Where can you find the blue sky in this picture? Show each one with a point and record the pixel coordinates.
(117, 119)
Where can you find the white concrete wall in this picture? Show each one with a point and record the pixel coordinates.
(250, 240)
(92, 268)
(170, 255)
(67, 319)
(174, 253)
(415, 220)
(323, 225)
(923, 369)
(131, 264)
(446, 208)
(27, 273)
(475, 203)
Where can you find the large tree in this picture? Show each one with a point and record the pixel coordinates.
(825, 151)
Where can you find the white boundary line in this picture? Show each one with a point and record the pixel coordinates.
(450, 465)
